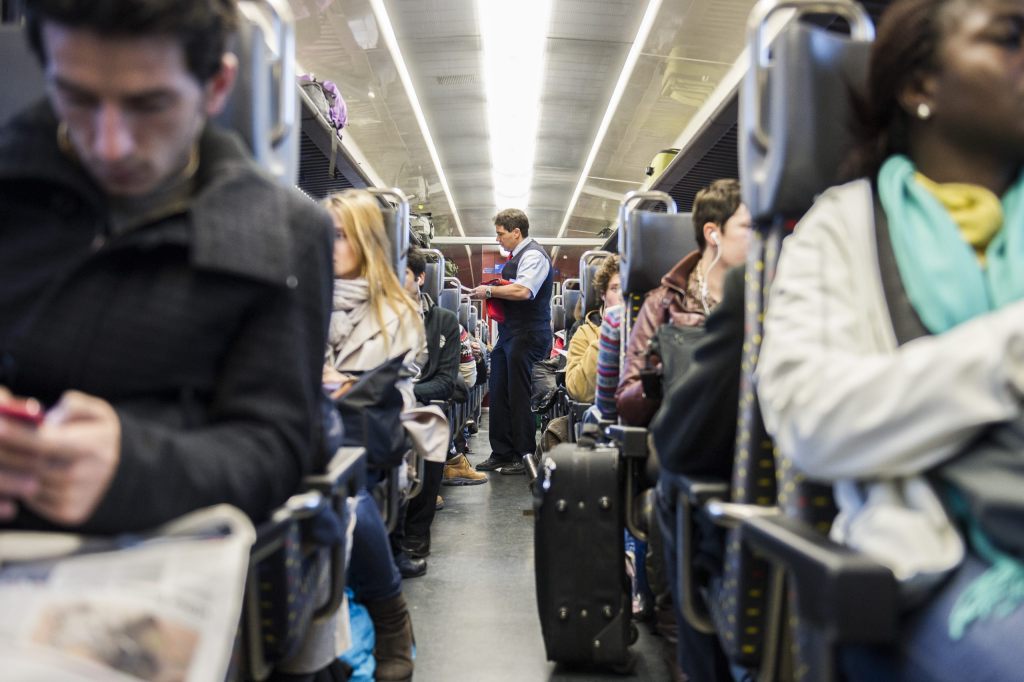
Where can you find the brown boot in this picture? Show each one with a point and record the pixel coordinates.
(458, 471)
(392, 628)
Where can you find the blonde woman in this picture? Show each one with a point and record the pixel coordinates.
(373, 320)
(373, 317)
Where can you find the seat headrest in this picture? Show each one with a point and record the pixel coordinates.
(808, 114)
(650, 244)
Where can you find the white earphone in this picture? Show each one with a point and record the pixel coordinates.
(704, 276)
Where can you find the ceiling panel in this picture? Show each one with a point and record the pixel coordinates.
(691, 46)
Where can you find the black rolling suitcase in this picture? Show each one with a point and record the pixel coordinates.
(583, 594)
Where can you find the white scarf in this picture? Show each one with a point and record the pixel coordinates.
(351, 303)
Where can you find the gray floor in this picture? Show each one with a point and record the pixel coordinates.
(475, 612)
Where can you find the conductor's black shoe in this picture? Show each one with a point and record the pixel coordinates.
(492, 463)
(409, 567)
(512, 469)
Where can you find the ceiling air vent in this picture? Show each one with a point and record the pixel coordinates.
(456, 79)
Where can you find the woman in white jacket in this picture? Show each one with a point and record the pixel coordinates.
(373, 320)
(895, 334)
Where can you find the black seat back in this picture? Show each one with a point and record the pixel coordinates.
(793, 136)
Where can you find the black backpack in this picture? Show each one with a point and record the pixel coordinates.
(669, 354)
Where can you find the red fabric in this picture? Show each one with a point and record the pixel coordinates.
(495, 308)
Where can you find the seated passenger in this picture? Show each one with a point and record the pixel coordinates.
(436, 381)
(581, 364)
(177, 350)
(608, 344)
(892, 356)
(374, 319)
(468, 370)
(694, 433)
(689, 291)
(467, 360)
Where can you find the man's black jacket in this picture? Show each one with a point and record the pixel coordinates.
(205, 329)
(695, 427)
(438, 376)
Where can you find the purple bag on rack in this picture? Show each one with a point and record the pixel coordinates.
(327, 97)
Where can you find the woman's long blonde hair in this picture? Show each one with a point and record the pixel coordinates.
(361, 220)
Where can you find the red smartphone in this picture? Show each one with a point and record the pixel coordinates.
(29, 411)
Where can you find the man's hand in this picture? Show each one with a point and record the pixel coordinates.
(17, 468)
(479, 292)
(64, 467)
(475, 348)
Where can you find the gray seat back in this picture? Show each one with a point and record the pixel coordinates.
(464, 307)
(257, 110)
(570, 297)
(449, 298)
(264, 106)
(434, 279)
(590, 261)
(23, 77)
(396, 224)
(557, 314)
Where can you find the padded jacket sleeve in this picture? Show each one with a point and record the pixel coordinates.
(840, 398)
(581, 364)
(633, 407)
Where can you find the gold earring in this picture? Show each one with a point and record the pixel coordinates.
(64, 140)
(924, 112)
(193, 162)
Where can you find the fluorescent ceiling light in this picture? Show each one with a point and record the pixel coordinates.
(613, 104)
(514, 36)
(388, 32)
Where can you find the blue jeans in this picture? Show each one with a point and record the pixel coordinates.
(699, 655)
(372, 573)
(989, 650)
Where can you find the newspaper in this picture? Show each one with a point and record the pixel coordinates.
(164, 606)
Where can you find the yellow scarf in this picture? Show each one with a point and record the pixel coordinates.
(975, 210)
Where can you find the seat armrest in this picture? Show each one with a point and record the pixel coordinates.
(848, 596)
(345, 474)
(560, 378)
(632, 440)
(578, 409)
(696, 492)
